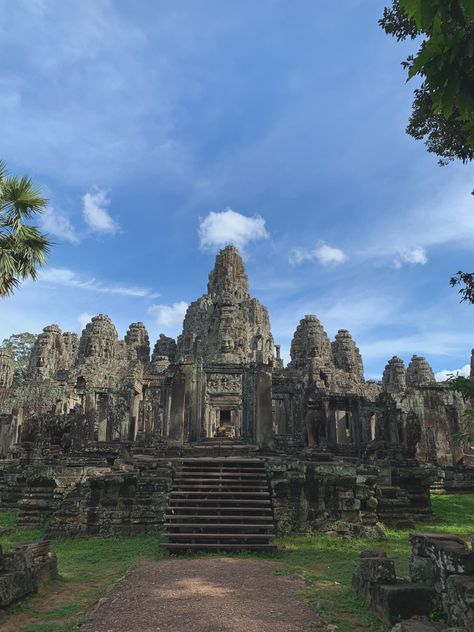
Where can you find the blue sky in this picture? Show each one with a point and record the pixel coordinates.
(162, 130)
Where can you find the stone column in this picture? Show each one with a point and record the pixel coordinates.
(264, 434)
(332, 436)
(176, 419)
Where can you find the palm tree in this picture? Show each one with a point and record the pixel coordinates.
(22, 247)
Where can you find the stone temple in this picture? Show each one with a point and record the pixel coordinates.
(97, 416)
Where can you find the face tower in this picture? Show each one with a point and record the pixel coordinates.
(224, 361)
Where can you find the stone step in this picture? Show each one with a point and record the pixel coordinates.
(219, 503)
(220, 536)
(208, 546)
(237, 518)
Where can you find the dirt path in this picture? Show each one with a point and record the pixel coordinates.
(203, 595)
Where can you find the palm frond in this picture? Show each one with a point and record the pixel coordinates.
(23, 248)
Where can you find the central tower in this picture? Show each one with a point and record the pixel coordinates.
(222, 380)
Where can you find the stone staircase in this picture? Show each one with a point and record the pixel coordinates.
(219, 503)
(37, 503)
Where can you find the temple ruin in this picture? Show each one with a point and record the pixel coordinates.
(338, 449)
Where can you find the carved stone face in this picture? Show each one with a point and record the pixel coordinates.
(227, 344)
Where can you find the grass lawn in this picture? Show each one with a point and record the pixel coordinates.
(88, 567)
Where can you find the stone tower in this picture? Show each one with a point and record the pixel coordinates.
(394, 376)
(227, 325)
(223, 377)
(346, 355)
(138, 343)
(310, 341)
(419, 372)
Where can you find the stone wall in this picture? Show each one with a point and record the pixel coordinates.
(115, 503)
(337, 497)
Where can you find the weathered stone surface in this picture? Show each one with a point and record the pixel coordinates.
(226, 325)
(377, 569)
(138, 343)
(120, 503)
(52, 353)
(423, 624)
(394, 376)
(6, 369)
(311, 344)
(346, 355)
(419, 372)
(164, 347)
(448, 555)
(459, 600)
(392, 602)
(23, 569)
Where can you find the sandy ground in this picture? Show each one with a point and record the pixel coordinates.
(203, 595)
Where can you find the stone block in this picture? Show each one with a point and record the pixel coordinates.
(422, 570)
(449, 556)
(423, 624)
(460, 600)
(378, 570)
(392, 602)
(15, 585)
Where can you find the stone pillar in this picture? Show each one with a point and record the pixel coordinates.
(332, 436)
(264, 417)
(176, 419)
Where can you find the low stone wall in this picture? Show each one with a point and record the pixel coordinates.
(446, 563)
(332, 496)
(391, 599)
(405, 498)
(115, 503)
(452, 480)
(23, 569)
(442, 577)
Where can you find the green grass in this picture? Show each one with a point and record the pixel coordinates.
(89, 566)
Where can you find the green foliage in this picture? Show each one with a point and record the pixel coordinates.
(443, 107)
(466, 281)
(19, 347)
(23, 248)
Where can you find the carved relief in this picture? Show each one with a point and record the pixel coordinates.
(226, 383)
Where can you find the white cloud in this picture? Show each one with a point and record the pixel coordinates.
(58, 225)
(96, 213)
(413, 256)
(325, 254)
(83, 319)
(69, 278)
(441, 376)
(169, 315)
(229, 227)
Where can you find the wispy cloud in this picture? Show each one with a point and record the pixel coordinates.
(59, 225)
(96, 214)
(406, 238)
(169, 315)
(445, 374)
(229, 227)
(325, 254)
(69, 278)
(414, 256)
